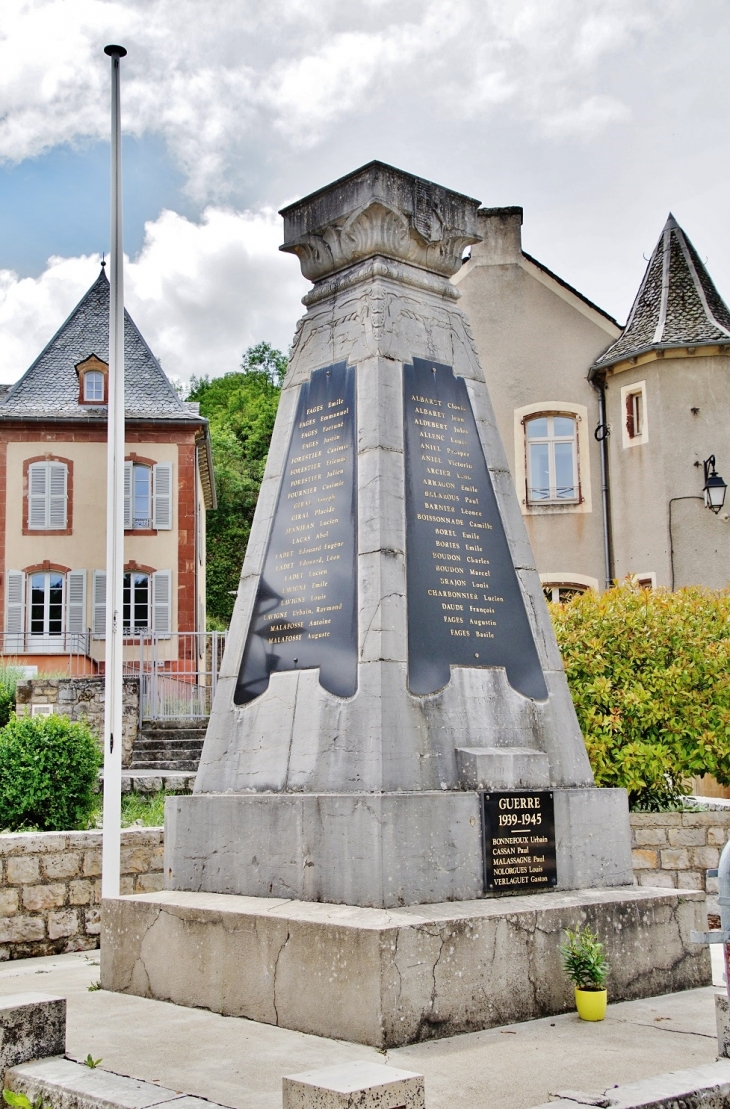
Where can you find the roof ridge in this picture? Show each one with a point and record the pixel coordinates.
(49, 388)
(677, 303)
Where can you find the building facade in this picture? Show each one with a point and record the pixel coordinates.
(53, 491)
(607, 429)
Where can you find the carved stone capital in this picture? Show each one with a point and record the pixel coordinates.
(379, 210)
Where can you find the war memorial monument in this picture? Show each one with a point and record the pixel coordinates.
(394, 816)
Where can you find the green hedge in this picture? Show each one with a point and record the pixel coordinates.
(48, 771)
(649, 672)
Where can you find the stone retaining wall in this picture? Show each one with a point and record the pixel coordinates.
(675, 849)
(50, 881)
(82, 699)
(50, 887)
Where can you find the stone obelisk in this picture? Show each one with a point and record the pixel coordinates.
(390, 655)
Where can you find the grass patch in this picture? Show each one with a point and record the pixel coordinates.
(139, 810)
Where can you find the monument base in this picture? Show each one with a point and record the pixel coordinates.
(375, 850)
(393, 977)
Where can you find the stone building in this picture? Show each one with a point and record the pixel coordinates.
(53, 491)
(553, 360)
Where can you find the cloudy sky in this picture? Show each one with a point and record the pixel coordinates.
(598, 116)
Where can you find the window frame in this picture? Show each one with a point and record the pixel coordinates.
(99, 377)
(629, 393)
(551, 440)
(47, 462)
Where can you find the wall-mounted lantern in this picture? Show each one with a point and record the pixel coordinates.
(715, 488)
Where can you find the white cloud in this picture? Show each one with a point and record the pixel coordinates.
(211, 78)
(199, 292)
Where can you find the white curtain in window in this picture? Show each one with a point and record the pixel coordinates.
(47, 495)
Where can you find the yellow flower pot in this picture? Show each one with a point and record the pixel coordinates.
(591, 1004)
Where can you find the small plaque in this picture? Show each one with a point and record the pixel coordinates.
(305, 615)
(519, 841)
(465, 605)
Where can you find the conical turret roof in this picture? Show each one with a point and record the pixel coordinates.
(49, 389)
(677, 303)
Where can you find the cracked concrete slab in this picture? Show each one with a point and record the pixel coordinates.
(241, 1063)
(387, 977)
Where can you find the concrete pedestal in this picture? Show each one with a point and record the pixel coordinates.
(392, 977)
(375, 850)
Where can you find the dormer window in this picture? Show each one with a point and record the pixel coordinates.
(93, 381)
(93, 386)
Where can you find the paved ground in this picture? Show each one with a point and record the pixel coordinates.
(240, 1063)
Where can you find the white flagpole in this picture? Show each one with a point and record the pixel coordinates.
(114, 516)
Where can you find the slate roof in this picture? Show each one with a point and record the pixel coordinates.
(50, 388)
(677, 304)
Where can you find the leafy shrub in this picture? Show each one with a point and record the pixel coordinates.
(9, 678)
(584, 960)
(649, 672)
(48, 769)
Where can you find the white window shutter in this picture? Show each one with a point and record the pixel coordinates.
(37, 495)
(76, 602)
(14, 610)
(128, 475)
(99, 625)
(57, 483)
(162, 602)
(162, 513)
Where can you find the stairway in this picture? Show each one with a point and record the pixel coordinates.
(168, 745)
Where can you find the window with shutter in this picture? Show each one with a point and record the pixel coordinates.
(47, 496)
(14, 610)
(76, 602)
(99, 624)
(162, 496)
(162, 602)
(37, 487)
(128, 473)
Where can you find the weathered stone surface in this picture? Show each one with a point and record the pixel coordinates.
(376, 850)
(68, 1085)
(32, 1026)
(722, 1016)
(390, 977)
(705, 1087)
(365, 1085)
(42, 887)
(380, 246)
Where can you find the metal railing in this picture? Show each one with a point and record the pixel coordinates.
(178, 672)
(72, 648)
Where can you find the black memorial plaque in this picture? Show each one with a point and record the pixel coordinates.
(465, 606)
(305, 613)
(519, 842)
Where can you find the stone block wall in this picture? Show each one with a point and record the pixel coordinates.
(50, 887)
(676, 849)
(82, 699)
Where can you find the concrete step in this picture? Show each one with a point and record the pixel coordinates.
(145, 743)
(166, 764)
(152, 781)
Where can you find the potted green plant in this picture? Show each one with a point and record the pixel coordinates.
(586, 965)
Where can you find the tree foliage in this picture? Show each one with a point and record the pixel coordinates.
(649, 672)
(48, 768)
(241, 408)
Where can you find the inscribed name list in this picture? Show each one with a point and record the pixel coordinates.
(305, 614)
(465, 605)
(519, 842)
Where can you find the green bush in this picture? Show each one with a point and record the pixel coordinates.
(48, 770)
(9, 678)
(649, 672)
